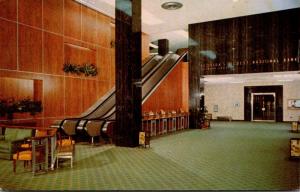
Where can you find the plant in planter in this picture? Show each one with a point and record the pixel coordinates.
(89, 69)
(71, 68)
(10, 106)
(86, 69)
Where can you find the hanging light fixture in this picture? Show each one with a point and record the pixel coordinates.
(171, 5)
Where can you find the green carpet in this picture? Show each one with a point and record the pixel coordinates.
(230, 155)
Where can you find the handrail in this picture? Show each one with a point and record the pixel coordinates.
(164, 76)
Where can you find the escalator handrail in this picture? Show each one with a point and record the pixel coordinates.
(164, 76)
(147, 95)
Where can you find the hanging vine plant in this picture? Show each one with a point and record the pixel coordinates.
(86, 69)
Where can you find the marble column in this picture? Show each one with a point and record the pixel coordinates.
(128, 72)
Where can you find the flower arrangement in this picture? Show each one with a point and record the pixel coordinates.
(86, 69)
(9, 106)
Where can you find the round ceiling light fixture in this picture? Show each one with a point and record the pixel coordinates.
(171, 5)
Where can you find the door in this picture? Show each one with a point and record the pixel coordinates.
(263, 106)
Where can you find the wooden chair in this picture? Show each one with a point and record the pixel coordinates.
(35, 153)
(65, 149)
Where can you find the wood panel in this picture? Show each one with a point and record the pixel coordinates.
(16, 88)
(30, 49)
(8, 9)
(8, 45)
(88, 54)
(89, 25)
(102, 88)
(54, 104)
(30, 12)
(103, 30)
(170, 93)
(72, 19)
(53, 54)
(145, 46)
(104, 56)
(37, 90)
(73, 96)
(185, 86)
(53, 15)
(72, 53)
(89, 92)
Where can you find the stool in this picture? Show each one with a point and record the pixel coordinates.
(164, 126)
(25, 156)
(173, 123)
(182, 122)
(153, 127)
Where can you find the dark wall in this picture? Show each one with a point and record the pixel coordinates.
(258, 43)
(278, 90)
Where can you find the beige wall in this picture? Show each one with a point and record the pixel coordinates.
(230, 99)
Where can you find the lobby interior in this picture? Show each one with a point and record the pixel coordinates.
(187, 95)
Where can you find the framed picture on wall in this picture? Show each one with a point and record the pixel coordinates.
(294, 103)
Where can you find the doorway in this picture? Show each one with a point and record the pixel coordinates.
(263, 107)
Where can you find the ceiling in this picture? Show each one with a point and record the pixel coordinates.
(173, 24)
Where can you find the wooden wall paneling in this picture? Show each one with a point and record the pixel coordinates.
(21, 75)
(73, 96)
(54, 100)
(102, 88)
(16, 88)
(88, 54)
(169, 95)
(185, 86)
(72, 19)
(8, 45)
(53, 47)
(89, 93)
(53, 15)
(38, 90)
(145, 46)
(89, 25)
(30, 49)
(8, 9)
(30, 12)
(104, 63)
(104, 37)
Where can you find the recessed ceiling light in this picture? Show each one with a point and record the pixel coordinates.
(171, 5)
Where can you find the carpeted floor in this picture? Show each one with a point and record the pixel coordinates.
(229, 156)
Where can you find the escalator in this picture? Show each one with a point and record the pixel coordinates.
(97, 118)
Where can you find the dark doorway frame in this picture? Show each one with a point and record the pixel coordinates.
(277, 89)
